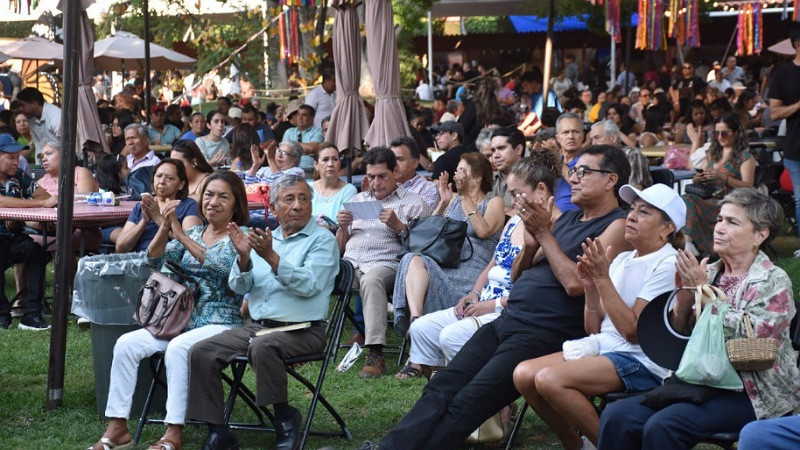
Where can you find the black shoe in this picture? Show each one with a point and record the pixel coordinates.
(221, 440)
(287, 432)
(33, 322)
(5, 321)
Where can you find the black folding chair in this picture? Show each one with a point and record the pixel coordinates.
(238, 389)
(663, 176)
(334, 328)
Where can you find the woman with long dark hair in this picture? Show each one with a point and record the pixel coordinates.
(245, 140)
(197, 168)
(728, 165)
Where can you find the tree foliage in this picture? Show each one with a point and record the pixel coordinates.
(18, 29)
(214, 41)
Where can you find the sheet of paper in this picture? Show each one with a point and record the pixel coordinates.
(364, 210)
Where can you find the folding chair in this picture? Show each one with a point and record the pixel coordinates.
(334, 326)
(663, 176)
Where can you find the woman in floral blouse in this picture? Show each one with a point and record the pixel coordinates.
(206, 253)
(746, 222)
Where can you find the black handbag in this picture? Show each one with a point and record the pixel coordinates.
(703, 190)
(439, 238)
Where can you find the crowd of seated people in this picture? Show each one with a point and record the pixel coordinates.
(567, 237)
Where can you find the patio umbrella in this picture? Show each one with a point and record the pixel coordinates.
(3, 57)
(36, 49)
(124, 50)
(783, 47)
(90, 132)
(33, 47)
(348, 120)
(390, 117)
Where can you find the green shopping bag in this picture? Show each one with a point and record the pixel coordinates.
(705, 359)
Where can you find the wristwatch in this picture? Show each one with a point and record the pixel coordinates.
(404, 234)
(498, 306)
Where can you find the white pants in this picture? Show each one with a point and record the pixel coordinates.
(133, 347)
(438, 336)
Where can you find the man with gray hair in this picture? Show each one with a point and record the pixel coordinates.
(141, 160)
(604, 132)
(289, 275)
(570, 136)
(137, 148)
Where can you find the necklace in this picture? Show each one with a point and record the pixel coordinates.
(326, 197)
(200, 183)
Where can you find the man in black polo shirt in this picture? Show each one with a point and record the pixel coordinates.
(17, 190)
(784, 103)
(544, 308)
(449, 139)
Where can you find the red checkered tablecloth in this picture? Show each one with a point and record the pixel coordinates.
(82, 214)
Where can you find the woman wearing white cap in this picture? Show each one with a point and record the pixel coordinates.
(558, 386)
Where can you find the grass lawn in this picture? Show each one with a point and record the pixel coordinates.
(370, 407)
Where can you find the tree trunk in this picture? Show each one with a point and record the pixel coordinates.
(276, 75)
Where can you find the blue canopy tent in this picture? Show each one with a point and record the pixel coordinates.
(534, 24)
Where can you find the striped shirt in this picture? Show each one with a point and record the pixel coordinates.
(424, 188)
(371, 242)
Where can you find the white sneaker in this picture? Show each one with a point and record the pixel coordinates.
(587, 444)
(797, 253)
(84, 323)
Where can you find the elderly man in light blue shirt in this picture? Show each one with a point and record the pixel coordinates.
(289, 275)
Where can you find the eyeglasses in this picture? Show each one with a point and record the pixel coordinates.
(581, 171)
(723, 133)
(687, 67)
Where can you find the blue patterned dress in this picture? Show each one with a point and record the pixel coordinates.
(499, 279)
(217, 304)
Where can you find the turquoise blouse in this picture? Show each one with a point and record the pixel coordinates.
(218, 304)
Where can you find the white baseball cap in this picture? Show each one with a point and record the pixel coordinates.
(235, 112)
(662, 197)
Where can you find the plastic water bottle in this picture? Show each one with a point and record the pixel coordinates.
(94, 199)
(108, 199)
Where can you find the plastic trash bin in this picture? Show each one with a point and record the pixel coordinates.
(103, 339)
(106, 293)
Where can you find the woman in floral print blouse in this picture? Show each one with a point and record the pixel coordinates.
(206, 253)
(746, 222)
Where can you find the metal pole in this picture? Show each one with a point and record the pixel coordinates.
(146, 11)
(430, 49)
(548, 55)
(613, 62)
(63, 263)
(627, 81)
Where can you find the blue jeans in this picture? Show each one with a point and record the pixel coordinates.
(627, 424)
(635, 376)
(772, 434)
(793, 166)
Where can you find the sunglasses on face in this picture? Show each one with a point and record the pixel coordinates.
(723, 133)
